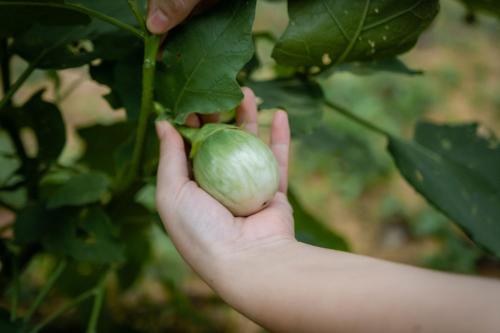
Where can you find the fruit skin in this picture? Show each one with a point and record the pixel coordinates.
(235, 167)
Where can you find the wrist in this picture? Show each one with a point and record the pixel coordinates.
(239, 271)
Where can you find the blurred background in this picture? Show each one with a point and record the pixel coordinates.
(340, 172)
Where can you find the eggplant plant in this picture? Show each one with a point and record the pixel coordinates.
(88, 216)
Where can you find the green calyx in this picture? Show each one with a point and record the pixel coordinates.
(196, 136)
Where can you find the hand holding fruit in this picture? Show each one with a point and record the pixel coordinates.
(202, 229)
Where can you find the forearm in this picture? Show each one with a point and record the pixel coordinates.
(296, 287)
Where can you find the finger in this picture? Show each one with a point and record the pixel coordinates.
(172, 169)
(210, 118)
(246, 113)
(280, 145)
(163, 15)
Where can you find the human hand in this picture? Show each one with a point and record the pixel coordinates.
(163, 15)
(202, 229)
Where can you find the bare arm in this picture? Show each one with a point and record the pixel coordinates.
(291, 286)
(258, 267)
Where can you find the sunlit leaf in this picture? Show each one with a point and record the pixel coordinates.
(323, 33)
(202, 58)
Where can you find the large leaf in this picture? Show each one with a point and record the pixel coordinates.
(101, 145)
(123, 77)
(457, 170)
(202, 58)
(79, 190)
(330, 32)
(47, 123)
(72, 46)
(17, 19)
(392, 65)
(302, 100)
(32, 222)
(309, 229)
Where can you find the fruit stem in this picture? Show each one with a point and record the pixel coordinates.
(188, 133)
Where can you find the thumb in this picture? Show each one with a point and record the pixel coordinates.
(163, 15)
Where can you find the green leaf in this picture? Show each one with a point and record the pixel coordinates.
(302, 100)
(392, 65)
(102, 143)
(32, 222)
(323, 33)
(456, 169)
(87, 235)
(76, 45)
(123, 77)
(138, 249)
(48, 125)
(80, 190)
(310, 230)
(17, 19)
(202, 58)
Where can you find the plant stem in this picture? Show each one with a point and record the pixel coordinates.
(15, 292)
(45, 290)
(19, 82)
(81, 9)
(349, 114)
(134, 7)
(96, 309)
(80, 298)
(152, 43)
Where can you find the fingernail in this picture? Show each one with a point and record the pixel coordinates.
(158, 22)
(281, 114)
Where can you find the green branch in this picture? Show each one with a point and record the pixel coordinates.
(15, 292)
(349, 114)
(45, 290)
(96, 309)
(97, 291)
(80, 298)
(24, 76)
(148, 73)
(81, 9)
(134, 7)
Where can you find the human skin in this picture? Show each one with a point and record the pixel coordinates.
(256, 265)
(163, 15)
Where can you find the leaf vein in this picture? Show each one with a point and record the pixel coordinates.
(392, 17)
(353, 41)
(334, 18)
(200, 61)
